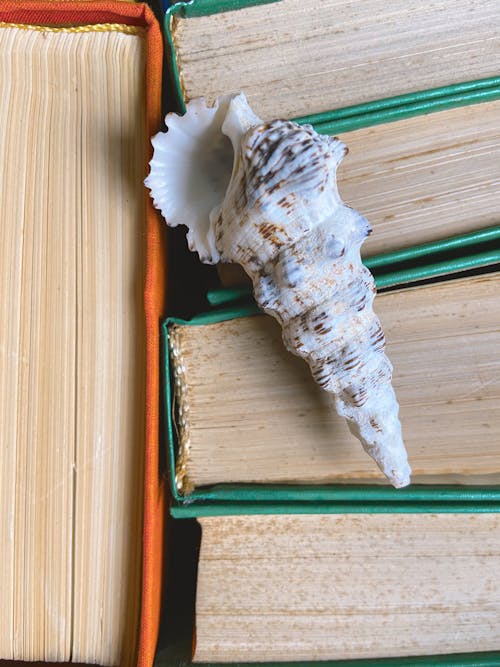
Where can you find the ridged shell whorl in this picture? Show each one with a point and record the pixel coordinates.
(280, 216)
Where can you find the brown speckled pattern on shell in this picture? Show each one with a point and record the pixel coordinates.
(282, 219)
(300, 245)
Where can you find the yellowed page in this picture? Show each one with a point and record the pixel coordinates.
(252, 412)
(72, 342)
(297, 57)
(326, 587)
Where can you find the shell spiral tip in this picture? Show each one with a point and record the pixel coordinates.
(399, 478)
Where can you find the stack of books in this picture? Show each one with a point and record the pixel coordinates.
(125, 425)
(301, 551)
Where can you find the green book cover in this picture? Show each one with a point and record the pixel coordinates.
(176, 657)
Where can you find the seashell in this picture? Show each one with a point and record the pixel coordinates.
(264, 195)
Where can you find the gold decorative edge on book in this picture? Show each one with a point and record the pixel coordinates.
(180, 410)
(97, 27)
(174, 22)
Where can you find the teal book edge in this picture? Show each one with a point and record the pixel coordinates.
(171, 658)
(191, 8)
(401, 272)
(223, 499)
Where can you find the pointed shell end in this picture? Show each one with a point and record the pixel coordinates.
(400, 478)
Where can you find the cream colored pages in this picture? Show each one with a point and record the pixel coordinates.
(425, 178)
(296, 57)
(347, 586)
(72, 152)
(252, 413)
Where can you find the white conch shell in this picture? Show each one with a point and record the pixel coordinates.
(279, 215)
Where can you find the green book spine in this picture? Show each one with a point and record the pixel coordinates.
(486, 659)
(192, 8)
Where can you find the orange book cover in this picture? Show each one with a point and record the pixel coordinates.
(76, 12)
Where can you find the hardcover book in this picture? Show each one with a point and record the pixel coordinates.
(246, 411)
(287, 590)
(344, 587)
(250, 438)
(295, 58)
(81, 499)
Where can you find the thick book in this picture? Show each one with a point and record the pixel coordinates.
(421, 180)
(287, 590)
(301, 57)
(242, 410)
(81, 265)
